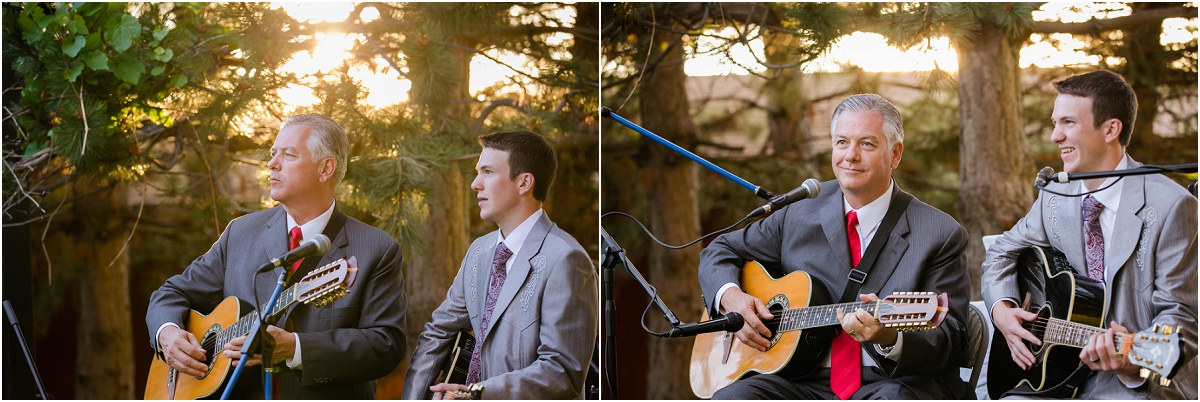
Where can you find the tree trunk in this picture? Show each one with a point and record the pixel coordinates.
(996, 166)
(1146, 61)
(105, 368)
(671, 196)
(786, 101)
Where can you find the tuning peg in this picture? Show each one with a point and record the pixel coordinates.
(1164, 382)
(1158, 366)
(1144, 373)
(1155, 328)
(1167, 329)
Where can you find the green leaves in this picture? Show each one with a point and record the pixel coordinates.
(128, 68)
(122, 32)
(96, 60)
(72, 47)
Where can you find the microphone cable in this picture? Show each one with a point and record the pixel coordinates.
(689, 244)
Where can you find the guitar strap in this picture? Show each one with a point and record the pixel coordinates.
(858, 275)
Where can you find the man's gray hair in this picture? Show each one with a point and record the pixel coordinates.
(893, 124)
(328, 140)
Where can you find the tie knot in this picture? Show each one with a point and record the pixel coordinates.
(852, 219)
(1091, 207)
(502, 255)
(294, 237)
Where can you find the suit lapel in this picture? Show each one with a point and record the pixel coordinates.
(833, 223)
(889, 257)
(1067, 225)
(1127, 228)
(519, 271)
(272, 242)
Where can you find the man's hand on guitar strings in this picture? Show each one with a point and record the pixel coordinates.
(863, 327)
(1008, 320)
(285, 347)
(440, 390)
(753, 333)
(1100, 354)
(181, 351)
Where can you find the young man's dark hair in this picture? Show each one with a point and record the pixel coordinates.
(1111, 97)
(528, 153)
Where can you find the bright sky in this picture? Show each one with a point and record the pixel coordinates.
(385, 87)
(871, 52)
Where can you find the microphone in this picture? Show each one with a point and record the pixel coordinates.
(730, 322)
(315, 246)
(1043, 177)
(811, 188)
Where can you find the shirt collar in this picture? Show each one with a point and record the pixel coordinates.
(1109, 197)
(313, 227)
(871, 214)
(518, 235)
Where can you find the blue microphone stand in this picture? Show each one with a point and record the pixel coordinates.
(758, 190)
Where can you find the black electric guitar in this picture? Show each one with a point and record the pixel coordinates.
(454, 369)
(1072, 308)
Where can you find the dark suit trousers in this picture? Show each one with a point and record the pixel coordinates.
(875, 385)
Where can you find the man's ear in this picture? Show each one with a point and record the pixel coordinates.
(327, 168)
(525, 182)
(1112, 130)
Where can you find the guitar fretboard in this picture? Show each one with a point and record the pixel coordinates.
(242, 327)
(1068, 333)
(821, 316)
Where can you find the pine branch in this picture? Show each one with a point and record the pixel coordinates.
(1095, 26)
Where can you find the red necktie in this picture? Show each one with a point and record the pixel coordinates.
(845, 373)
(294, 237)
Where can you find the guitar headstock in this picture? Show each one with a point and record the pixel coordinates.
(325, 284)
(1156, 351)
(913, 311)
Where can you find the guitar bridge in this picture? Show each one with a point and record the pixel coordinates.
(727, 339)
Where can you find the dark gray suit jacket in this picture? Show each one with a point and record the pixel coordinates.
(924, 254)
(543, 327)
(346, 345)
(1150, 271)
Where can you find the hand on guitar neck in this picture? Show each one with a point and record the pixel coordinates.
(864, 328)
(1101, 353)
(285, 347)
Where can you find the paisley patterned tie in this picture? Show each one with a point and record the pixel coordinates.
(1093, 238)
(499, 274)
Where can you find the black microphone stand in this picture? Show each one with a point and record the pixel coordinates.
(1140, 170)
(614, 254)
(12, 319)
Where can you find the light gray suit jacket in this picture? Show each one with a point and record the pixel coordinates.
(924, 254)
(345, 345)
(1150, 272)
(543, 327)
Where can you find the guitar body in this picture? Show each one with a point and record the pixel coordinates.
(1064, 295)
(166, 383)
(458, 363)
(719, 359)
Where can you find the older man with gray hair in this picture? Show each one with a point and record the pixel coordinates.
(331, 352)
(861, 215)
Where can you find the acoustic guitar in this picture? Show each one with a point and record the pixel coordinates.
(1072, 308)
(319, 287)
(799, 333)
(457, 364)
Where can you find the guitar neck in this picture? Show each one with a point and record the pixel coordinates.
(244, 324)
(1073, 334)
(820, 316)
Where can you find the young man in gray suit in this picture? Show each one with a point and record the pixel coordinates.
(528, 290)
(332, 352)
(825, 237)
(1138, 236)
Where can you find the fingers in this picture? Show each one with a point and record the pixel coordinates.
(192, 347)
(751, 336)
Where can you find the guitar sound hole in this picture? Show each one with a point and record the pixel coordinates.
(211, 348)
(773, 324)
(1038, 328)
